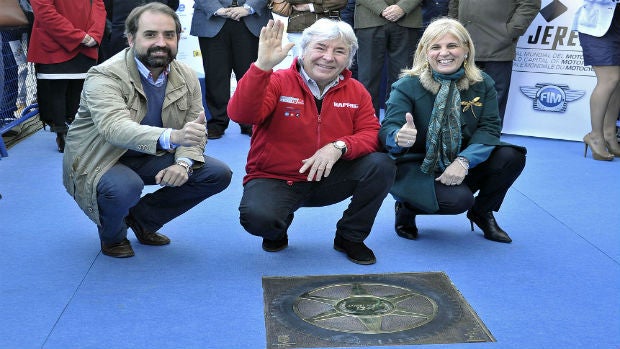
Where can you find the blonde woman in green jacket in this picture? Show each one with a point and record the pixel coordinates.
(443, 129)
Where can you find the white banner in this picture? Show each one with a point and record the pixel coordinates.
(189, 49)
(550, 87)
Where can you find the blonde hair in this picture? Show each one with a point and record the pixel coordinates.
(436, 30)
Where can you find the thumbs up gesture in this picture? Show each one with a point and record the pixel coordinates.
(193, 133)
(406, 136)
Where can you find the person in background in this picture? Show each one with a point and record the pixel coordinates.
(433, 9)
(117, 12)
(347, 15)
(442, 127)
(495, 26)
(387, 31)
(64, 45)
(141, 122)
(315, 139)
(306, 12)
(227, 32)
(598, 23)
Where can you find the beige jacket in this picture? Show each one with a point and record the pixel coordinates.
(107, 123)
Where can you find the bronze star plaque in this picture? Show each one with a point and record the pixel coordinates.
(368, 310)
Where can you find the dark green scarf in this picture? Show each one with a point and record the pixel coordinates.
(443, 140)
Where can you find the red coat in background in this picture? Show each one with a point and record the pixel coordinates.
(60, 26)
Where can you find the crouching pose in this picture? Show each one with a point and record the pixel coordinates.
(314, 141)
(141, 122)
(442, 127)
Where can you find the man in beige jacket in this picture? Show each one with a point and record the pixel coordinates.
(140, 122)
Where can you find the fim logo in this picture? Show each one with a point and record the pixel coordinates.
(551, 97)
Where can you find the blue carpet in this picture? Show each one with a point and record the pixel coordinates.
(556, 286)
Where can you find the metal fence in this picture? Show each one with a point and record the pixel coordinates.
(18, 93)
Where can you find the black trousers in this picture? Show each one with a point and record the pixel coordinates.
(501, 73)
(268, 205)
(391, 45)
(491, 179)
(58, 102)
(233, 49)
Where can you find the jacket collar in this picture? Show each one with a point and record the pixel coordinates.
(432, 85)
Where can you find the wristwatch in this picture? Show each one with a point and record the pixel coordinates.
(340, 145)
(186, 166)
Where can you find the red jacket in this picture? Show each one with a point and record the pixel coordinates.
(288, 127)
(60, 26)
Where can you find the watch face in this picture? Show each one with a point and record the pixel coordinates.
(340, 144)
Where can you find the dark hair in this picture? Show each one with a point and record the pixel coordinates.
(131, 23)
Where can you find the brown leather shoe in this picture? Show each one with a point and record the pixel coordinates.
(119, 250)
(146, 237)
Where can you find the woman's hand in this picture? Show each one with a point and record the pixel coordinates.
(270, 50)
(453, 175)
(406, 136)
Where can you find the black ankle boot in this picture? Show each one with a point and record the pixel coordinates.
(486, 222)
(60, 141)
(405, 222)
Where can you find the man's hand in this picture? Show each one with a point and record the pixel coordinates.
(270, 50)
(172, 176)
(223, 12)
(320, 164)
(236, 13)
(406, 136)
(193, 133)
(393, 13)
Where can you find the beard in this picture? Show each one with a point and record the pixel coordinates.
(151, 61)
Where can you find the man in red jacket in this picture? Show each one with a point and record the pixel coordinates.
(314, 141)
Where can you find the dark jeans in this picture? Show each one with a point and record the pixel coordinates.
(120, 188)
(268, 205)
(491, 178)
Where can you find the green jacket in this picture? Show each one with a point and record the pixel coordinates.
(480, 125)
(107, 123)
(368, 13)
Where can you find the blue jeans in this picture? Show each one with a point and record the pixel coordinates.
(120, 188)
(267, 205)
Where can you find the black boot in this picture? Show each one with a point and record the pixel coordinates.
(60, 141)
(405, 222)
(486, 222)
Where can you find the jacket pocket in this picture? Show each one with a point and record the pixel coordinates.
(182, 103)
